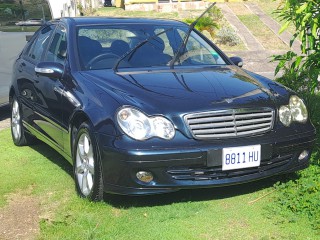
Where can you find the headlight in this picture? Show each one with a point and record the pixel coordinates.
(141, 127)
(298, 109)
(285, 115)
(295, 111)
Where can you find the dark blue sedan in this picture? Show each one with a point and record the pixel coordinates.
(142, 106)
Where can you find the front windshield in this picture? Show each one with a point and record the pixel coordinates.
(140, 46)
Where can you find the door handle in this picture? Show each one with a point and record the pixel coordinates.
(21, 66)
(58, 90)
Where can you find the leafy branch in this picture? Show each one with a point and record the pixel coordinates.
(304, 15)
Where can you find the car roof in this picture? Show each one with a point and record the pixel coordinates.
(111, 20)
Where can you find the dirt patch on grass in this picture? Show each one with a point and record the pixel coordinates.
(20, 218)
(4, 124)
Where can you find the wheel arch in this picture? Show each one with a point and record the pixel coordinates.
(12, 92)
(76, 120)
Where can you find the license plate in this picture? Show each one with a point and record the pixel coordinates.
(241, 157)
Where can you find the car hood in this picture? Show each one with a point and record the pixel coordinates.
(184, 90)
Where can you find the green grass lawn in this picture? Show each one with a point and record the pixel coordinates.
(239, 212)
(262, 32)
(270, 7)
(119, 12)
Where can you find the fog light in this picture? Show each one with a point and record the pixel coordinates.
(144, 176)
(303, 155)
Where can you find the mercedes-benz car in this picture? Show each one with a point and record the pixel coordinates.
(145, 106)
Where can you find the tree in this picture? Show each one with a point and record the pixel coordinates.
(7, 1)
(304, 66)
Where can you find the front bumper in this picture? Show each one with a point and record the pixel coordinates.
(198, 164)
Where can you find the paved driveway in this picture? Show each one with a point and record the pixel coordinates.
(10, 46)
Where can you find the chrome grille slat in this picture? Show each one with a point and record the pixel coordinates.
(218, 130)
(212, 125)
(255, 115)
(253, 132)
(210, 119)
(230, 123)
(208, 136)
(256, 126)
(244, 122)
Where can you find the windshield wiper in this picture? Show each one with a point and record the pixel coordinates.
(132, 51)
(186, 37)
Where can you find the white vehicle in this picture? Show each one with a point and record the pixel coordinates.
(31, 22)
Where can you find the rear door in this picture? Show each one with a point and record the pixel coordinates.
(26, 76)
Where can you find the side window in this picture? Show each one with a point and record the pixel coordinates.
(198, 51)
(40, 44)
(167, 49)
(57, 51)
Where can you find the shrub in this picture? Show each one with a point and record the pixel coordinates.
(228, 36)
(304, 15)
(215, 14)
(204, 24)
(300, 83)
(300, 197)
(297, 81)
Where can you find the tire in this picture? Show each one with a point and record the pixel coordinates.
(87, 164)
(19, 136)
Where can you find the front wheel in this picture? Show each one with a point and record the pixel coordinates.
(87, 165)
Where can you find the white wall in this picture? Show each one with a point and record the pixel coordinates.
(62, 8)
(68, 8)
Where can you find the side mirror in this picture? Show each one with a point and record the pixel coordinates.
(50, 69)
(237, 61)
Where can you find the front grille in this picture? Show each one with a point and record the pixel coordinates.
(216, 173)
(230, 123)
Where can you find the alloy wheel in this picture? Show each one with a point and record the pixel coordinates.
(84, 169)
(15, 120)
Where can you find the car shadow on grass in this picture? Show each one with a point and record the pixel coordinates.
(4, 112)
(186, 195)
(53, 156)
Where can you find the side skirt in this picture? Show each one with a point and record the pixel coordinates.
(44, 139)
